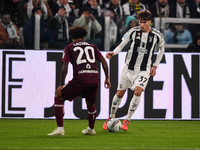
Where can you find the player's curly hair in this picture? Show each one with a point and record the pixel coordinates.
(144, 15)
(77, 32)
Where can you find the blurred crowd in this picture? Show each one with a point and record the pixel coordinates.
(18, 17)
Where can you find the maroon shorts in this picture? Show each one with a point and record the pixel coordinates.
(74, 89)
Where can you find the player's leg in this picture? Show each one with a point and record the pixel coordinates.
(132, 107)
(59, 113)
(123, 84)
(134, 102)
(115, 104)
(138, 86)
(92, 113)
(69, 92)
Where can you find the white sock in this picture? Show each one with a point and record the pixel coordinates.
(90, 128)
(60, 128)
(115, 104)
(132, 107)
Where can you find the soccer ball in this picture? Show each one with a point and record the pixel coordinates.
(114, 125)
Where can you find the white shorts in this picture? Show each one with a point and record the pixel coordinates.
(131, 79)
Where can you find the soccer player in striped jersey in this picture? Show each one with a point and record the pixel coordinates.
(138, 64)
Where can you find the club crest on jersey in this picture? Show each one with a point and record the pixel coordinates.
(150, 39)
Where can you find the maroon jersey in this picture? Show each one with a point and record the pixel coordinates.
(82, 56)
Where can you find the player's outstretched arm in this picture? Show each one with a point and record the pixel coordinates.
(118, 49)
(107, 83)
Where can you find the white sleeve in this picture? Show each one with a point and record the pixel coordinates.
(159, 55)
(125, 40)
(119, 47)
(161, 50)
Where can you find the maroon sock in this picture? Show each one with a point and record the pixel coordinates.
(92, 113)
(59, 111)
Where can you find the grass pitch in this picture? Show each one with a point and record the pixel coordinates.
(21, 134)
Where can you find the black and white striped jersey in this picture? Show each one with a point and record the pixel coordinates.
(142, 46)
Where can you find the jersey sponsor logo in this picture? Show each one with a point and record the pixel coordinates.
(87, 71)
(142, 50)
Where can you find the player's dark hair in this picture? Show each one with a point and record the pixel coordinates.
(77, 32)
(144, 15)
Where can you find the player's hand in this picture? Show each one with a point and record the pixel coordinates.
(109, 55)
(153, 71)
(58, 91)
(107, 83)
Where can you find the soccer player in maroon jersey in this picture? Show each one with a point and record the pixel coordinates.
(85, 82)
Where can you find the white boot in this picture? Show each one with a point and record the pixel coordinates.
(88, 130)
(58, 131)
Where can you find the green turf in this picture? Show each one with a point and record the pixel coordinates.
(142, 134)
